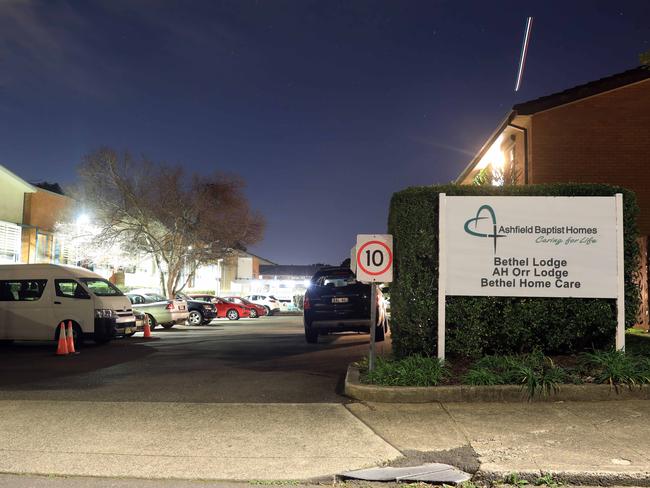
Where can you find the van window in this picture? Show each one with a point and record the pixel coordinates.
(21, 290)
(70, 289)
(101, 287)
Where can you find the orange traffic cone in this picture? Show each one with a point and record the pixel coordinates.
(62, 349)
(70, 337)
(147, 327)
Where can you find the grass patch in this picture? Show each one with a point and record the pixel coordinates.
(547, 480)
(616, 368)
(535, 373)
(411, 371)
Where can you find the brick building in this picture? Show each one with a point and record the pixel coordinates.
(598, 132)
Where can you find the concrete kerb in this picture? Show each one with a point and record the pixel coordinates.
(465, 393)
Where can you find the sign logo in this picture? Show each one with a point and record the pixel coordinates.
(474, 221)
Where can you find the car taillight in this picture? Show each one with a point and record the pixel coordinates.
(306, 305)
(170, 306)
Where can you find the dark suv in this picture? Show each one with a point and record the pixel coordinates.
(336, 302)
(200, 313)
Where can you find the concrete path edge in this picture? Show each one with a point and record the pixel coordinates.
(465, 393)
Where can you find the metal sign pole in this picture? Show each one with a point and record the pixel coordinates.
(373, 325)
(442, 274)
(620, 274)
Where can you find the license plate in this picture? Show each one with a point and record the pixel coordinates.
(128, 330)
(340, 300)
(182, 307)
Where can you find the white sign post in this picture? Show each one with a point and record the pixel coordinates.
(374, 264)
(531, 247)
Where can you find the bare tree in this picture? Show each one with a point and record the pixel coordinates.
(180, 220)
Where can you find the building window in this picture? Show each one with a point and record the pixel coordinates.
(43, 247)
(9, 242)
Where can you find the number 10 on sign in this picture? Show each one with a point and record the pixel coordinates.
(374, 258)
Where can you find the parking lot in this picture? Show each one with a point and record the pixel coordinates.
(249, 361)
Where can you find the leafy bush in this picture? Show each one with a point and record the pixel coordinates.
(414, 370)
(494, 325)
(616, 368)
(482, 376)
(536, 373)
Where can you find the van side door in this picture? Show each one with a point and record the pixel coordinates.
(73, 302)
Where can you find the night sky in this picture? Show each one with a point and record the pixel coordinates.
(325, 107)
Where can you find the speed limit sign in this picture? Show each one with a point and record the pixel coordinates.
(374, 258)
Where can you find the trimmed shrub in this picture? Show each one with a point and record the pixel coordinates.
(494, 325)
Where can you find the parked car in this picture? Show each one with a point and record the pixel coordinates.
(229, 310)
(36, 298)
(140, 319)
(256, 310)
(287, 305)
(200, 312)
(269, 302)
(159, 310)
(336, 302)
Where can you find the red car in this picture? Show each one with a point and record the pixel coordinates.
(256, 310)
(229, 310)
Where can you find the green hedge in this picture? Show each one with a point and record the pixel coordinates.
(488, 325)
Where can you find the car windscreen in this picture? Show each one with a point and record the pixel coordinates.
(337, 280)
(101, 287)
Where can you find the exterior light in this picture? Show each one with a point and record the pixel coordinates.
(83, 220)
(496, 160)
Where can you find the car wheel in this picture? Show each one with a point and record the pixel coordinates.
(195, 318)
(232, 314)
(311, 335)
(152, 322)
(268, 311)
(254, 313)
(168, 325)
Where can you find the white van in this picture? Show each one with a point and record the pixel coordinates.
(36, 298)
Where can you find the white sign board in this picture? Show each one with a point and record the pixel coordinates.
(374, 258)
(531, 246)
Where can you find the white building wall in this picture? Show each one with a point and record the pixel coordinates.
(12, 200)
(208, 278)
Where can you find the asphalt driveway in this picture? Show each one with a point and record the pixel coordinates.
(246, 361)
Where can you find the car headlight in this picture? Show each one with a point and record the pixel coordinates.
(104, 313)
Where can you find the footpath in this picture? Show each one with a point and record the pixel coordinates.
(578, 442)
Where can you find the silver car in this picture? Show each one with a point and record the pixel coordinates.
(159, 310)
